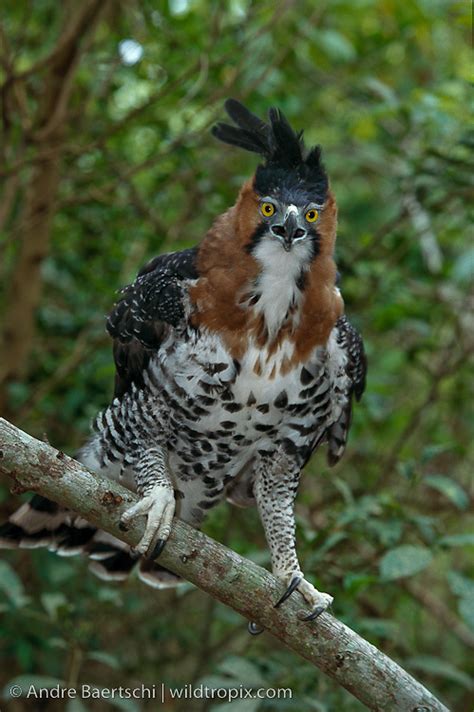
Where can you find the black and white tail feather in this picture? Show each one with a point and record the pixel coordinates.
(41, 523)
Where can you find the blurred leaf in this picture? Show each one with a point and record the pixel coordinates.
(354, 582)
(431, 451)
(26, 681)
(217, 681)
(312, 704)
(242, 670)
(110, 595)
(389, 532)
(11, 585)
(55, 642)
(440, 668)
(466, 611)
(463, 268)
(378, 627)
(381, 89)
(52, 602)
(344, 488)
(333, 540)
(449, 488)
(426, 527)
(466, 539)
(404, 561)
(461, 585)
(330, 542)
(100, 656)
(335, 44)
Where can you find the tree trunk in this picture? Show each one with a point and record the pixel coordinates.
(46, 134)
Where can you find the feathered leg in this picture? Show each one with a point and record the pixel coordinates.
(276, 485)
(157, 503)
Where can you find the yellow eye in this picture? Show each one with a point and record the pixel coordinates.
(267, 209)
(312, 215)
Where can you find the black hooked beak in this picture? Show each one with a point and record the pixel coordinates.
(288, 231)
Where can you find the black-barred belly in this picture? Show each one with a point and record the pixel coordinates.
(221, 414)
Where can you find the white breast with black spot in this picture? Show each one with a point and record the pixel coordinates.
(224, 411)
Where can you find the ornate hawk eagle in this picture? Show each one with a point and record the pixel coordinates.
(234, 361)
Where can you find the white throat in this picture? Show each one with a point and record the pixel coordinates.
(277, 282)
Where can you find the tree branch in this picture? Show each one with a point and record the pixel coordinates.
(372, 677)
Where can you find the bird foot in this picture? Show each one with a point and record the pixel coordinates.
(158, 505)
(318, 600)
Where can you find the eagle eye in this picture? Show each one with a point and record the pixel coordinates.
(311, 215)
(267, 209)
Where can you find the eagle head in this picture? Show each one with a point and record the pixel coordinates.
(266, 266)
(291, 204)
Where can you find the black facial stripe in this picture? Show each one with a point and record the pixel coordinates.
(315, 241)
(301, 280)
(256, 237)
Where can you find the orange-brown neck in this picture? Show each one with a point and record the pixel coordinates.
(256, 297)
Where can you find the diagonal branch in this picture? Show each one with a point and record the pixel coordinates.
(372, 677)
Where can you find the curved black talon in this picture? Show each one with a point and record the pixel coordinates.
(160, 545)
(123, 527)
(314, 614)
(294, 583)
(254, 629)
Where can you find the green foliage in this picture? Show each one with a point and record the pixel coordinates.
(11, 585)
(404, 561)
(451, 489)
(384, 87)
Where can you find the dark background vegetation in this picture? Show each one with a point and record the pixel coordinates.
(107, 160)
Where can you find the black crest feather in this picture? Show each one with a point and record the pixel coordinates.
(251, 133)
(286, 159)
(276, 141)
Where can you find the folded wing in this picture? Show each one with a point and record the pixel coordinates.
(146, 310)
